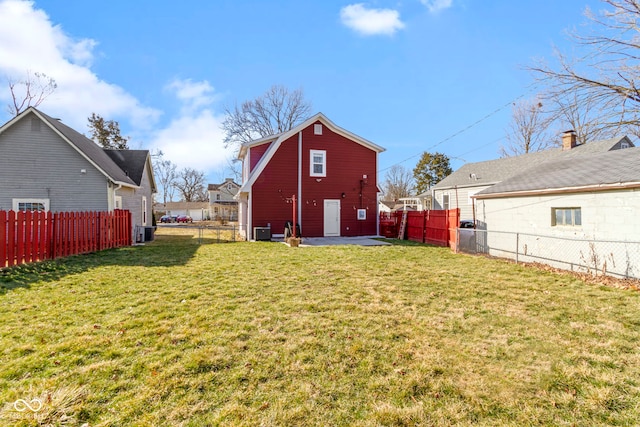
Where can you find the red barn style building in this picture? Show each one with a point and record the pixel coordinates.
(331, 172)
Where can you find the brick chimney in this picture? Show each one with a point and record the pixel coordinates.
(569, 140)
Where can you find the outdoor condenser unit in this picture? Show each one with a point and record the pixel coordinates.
(262, 233)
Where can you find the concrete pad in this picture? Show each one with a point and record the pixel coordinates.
(335, 241)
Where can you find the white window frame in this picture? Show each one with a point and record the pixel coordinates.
(144, 210)
(312, 154)
(317, 129)
(118, 202)
(446, 205)
(573, 220)
(624, 145)
(16, 203)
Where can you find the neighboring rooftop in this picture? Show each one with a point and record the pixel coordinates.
(130, 161)
(594, 170)
(493, 171)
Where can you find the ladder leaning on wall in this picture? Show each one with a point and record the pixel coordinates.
(403, 225)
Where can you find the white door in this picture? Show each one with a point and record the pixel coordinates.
(331, 218)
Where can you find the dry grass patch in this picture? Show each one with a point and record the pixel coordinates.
(176, 333)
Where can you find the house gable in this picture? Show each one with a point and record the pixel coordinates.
(274, 146)
(37, 163)
(348, 176)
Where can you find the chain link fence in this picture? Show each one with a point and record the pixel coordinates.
(203, 233)
(594, 257)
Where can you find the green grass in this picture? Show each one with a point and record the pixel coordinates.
(176, 333)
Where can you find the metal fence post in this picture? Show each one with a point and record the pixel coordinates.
(517, 246)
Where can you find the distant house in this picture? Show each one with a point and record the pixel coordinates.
(593, 197)
(386, 206)
(46, 165)
(222, 203)
(331, 173)
(457, 190)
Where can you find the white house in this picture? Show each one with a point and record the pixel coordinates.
(222, 203)
(457, 190)
(578, 212)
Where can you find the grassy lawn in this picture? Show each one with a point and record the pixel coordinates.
(176, 333)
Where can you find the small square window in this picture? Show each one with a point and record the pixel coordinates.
(317, 129)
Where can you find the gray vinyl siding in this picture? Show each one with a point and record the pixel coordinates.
(132, 199)
(458, 198)
(40, 164)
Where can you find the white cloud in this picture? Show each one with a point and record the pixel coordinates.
(194, 95)
(194, 138)
(30, 42)
(371, 21)
(437, 5)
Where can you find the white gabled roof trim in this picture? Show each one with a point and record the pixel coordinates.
(278, 139)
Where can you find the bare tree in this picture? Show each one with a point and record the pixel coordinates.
(527, 130)
(608, 72)
(398, 182)
(234, 169)
(166, 175)
(29, 92)
(277, 110)
(190, 183)
(582, 116)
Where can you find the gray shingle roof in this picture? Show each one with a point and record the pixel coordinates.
(89, 148)
(494, 171)
(131, 162)
(215, 187)
(594, 169)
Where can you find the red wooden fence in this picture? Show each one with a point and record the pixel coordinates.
(35, 236)
(437, 227)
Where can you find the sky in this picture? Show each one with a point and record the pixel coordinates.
(409, 75)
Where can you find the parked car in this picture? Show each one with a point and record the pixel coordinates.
(168, 218)
(184, 218)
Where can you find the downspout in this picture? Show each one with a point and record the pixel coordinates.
(112, 200)
(377, 199)
(249, 218)
(299, 180)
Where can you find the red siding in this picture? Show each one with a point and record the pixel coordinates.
(256, 154)
(276, 183)
(346, 162)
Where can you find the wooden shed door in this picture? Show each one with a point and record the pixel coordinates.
(331, 218)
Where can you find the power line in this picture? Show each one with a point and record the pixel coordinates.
(448, 138)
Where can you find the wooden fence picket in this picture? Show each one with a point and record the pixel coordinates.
(436, 227)
(3, 239)
(28, 236)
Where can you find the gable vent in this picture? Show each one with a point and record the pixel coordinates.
(317, 129)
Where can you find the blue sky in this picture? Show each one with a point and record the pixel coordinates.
(407, 74)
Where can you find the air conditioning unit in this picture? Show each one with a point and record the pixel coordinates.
(262, 233)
